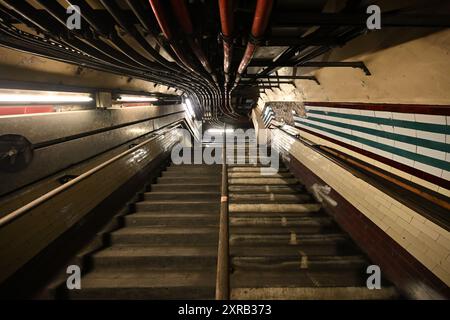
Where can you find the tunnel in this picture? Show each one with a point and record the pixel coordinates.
(243, 150)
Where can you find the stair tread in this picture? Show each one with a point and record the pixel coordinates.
(168, 215)
(295, 258)
(182, 192)
(149, 279)
(298, 278)
(212, 201)
(165, 230)
(160, 251)
(313, 293)
(345, 249)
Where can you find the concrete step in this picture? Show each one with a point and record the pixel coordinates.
(161, 257)
(258, 175)
(328, 248)
(269, 197)
(300, 261)
(145, 236)
(191, 175)
(251, 170)
(187, 187)
(248, 165)
(194, 167)
(211, 205)
(290, 230)
(262, 181)
(144, 219)
(280, 215)
(284, 222)
(189, 180)
(209, 170)
(275, 207)
(312, 293)
(287, 239)
(298, 278)
(256, 189)
(182, 196)
(150, 285)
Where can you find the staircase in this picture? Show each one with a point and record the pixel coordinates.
(166, 248)
(283, 245)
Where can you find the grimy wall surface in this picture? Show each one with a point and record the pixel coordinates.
(412, 71)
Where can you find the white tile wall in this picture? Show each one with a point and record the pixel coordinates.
(431, 153)
(405, 131)
(426, 241)
(383, 114)
(429, 169)
(438, 137)
(403, 116)
(430, 119)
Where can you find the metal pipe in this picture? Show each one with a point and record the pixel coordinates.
(158, 76)
(227, 25)
(223, 267)
(181, 12)
(161, 17)
(163, 22)
(260, 21)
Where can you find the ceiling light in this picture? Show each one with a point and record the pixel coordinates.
(189, 108)
(125, 98)
(43, 97)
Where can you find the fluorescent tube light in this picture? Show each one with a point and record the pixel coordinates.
(189, 108)
(25, 98)
(126, 98)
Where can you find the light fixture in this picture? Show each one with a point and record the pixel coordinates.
(129, 98)
(34, 97)
(189, 108)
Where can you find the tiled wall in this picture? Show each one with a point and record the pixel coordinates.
(419, 141)
(423, 239)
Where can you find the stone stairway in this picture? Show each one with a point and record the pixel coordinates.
(283, 245)
(166, 248)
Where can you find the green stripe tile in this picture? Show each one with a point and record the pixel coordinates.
(400, 152)
(430, 127)
(387, 135)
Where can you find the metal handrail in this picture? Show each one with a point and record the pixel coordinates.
(223, 269)
(33, 204)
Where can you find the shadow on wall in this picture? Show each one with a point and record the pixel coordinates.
(391, 37)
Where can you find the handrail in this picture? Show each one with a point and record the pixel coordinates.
(21, 211)
(223, 270)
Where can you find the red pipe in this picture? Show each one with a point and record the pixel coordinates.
(161, 17)
(260, 22)
(227, 23)
(181, 12)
